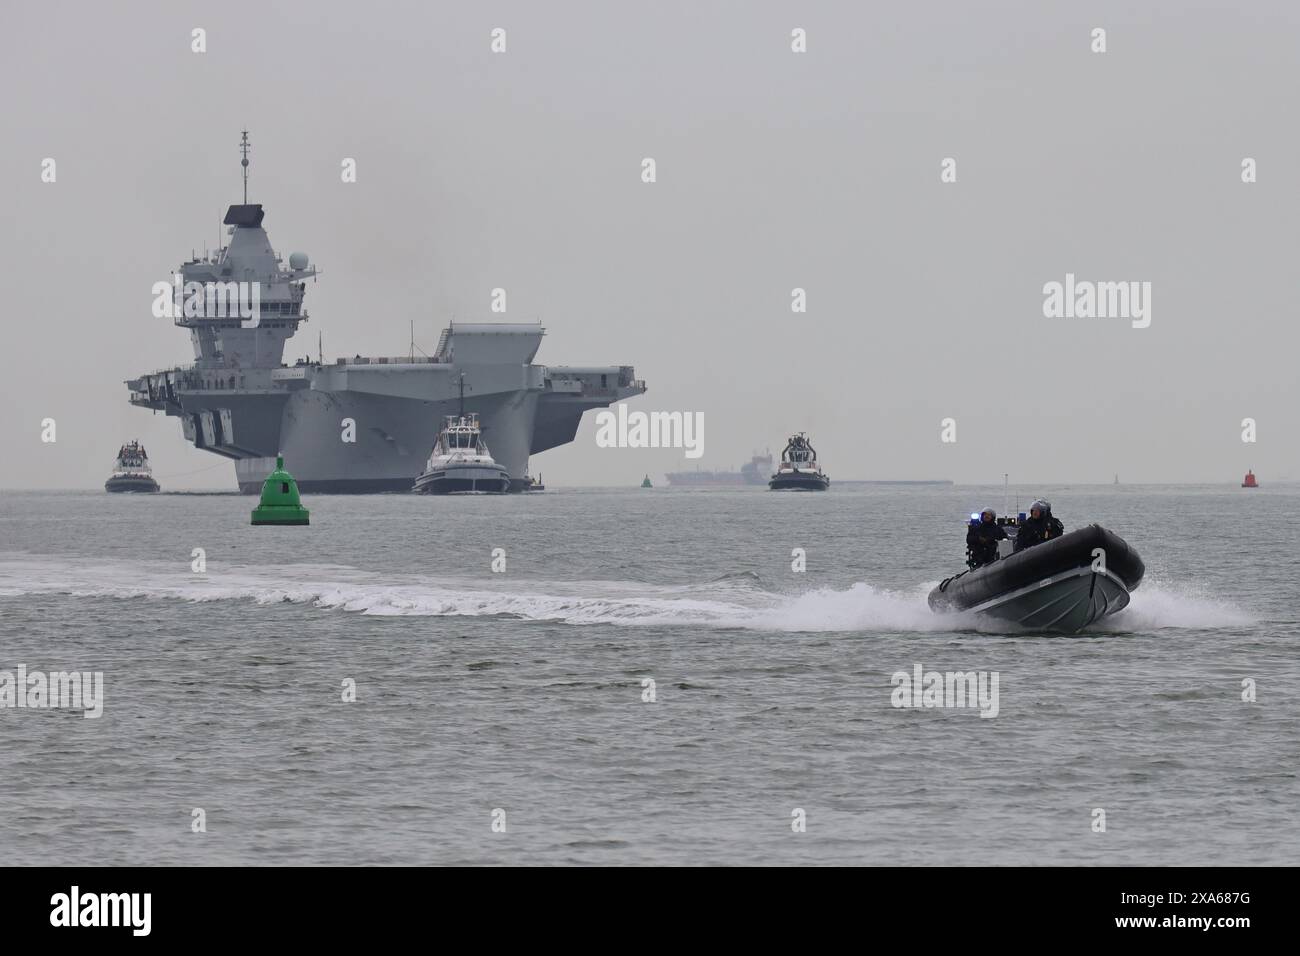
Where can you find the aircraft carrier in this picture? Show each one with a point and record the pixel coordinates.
(356, 425)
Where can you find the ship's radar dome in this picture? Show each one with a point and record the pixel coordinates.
(298, 261)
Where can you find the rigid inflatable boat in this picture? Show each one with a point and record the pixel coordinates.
(1060, 585)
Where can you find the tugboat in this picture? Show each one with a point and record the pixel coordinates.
(131, 471)
(1249, 481)
(460, 463)
(799, 470)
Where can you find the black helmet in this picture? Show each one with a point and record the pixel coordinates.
(1043, 505)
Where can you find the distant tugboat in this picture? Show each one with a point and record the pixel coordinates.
(131, 471)
(799, 470)
(460, 463)
(1249, 481)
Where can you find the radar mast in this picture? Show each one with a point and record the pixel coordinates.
(243, 149)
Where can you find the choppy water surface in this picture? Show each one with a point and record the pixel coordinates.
(523, 690)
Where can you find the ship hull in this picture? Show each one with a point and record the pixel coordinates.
(1065, 604)
(367, 426)
(342, 486)
(387, 442)
(370, 486)
(800, 481)
(137, 485)
(463, 480)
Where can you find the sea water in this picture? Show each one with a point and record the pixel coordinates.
(643, 678)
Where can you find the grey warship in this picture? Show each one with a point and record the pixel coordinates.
(358, 425)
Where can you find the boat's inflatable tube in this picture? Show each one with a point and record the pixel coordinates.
(1042, 561)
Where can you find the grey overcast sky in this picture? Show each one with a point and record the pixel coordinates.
(776, 170)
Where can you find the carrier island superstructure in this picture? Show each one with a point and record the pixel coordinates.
(356, 425)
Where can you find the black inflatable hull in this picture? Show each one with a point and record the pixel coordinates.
(1061, 585)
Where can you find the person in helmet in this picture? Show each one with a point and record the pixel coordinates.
(982, 539)
(1040, 526)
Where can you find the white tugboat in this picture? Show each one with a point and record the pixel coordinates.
(799, 470)
(461, 463)
(131, 471)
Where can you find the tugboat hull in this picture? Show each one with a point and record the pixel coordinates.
(799, 481)
(464, 480)
(1061, 585)
(139, 485)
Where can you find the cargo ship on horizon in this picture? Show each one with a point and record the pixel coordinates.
(753, 472)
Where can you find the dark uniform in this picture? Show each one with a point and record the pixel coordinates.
(1037, 530)
(982, 543)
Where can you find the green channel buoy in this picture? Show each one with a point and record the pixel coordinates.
(646, 483)
(280, 503)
